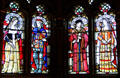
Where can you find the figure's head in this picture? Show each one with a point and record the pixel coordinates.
(39, 23)
(105, 24)
(79, 25)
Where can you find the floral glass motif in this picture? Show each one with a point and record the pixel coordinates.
(105, 41)
(13, 30)
(78, 41)
(40, 46)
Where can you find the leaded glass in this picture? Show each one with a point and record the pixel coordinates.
(78, 41)
(12, 50)
(40, 44)
(105, 41)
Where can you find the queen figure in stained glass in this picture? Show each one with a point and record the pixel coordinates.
(106, 42)
(12, 42)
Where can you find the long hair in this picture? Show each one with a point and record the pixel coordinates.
(78, 21)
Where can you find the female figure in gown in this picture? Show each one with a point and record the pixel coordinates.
(107, 42)
(12, 56)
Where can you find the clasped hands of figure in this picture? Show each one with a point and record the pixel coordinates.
(106, 42)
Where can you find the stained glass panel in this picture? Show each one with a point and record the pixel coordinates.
(40, 44)
(78, 41)
(12, 50)
(105, 41)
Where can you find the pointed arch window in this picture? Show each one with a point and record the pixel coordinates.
(78, 42)
(106, 41)
(40, 47)
(13, 37)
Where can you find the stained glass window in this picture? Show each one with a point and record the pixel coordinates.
(40, 45)
(12, 50)
(105, 41)
(78, 42)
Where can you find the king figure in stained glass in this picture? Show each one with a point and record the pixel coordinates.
(39, 43)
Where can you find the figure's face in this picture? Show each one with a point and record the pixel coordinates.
(38, 24)
(78, 26)
(106, 25)
(104, 22)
